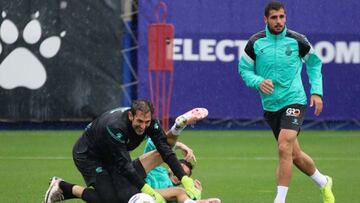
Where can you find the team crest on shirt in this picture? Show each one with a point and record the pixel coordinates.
(156, 125)
(288, 51)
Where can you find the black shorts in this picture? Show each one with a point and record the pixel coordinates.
(289, 117)
(108, 183)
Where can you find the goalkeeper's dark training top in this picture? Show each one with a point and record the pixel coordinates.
(110, 137)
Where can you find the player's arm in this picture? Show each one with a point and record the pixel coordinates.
(158, 136)
(159, 139)
(115, 143)
(246, 67)
(313, 69)
(187, 151)
(173, 194)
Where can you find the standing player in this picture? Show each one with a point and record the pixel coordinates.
(102, 156)
(272, 64)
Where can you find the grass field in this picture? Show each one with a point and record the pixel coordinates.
(237, 166)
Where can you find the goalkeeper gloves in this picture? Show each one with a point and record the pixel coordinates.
(150, 191)
(190, 188)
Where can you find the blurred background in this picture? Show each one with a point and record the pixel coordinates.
(64, 62)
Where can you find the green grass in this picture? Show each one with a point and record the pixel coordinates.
(237, 166)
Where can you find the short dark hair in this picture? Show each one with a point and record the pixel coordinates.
(143, 106)
(188, 164)
(273, 5)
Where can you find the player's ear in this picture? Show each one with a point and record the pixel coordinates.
(131, 116)
(265, 19)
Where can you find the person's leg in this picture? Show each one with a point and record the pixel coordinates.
(78, 190)
(173, 194)
(54, 193)
(61, 190)
(273, 119)
(178, 194)
(303, 161)
(108, 187)
(286, 122)
(93, 175)
(104, 188)
(188, 118)
(286, 142)
(306, 164)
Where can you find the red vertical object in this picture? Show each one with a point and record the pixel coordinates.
(161, 66)
(160, 47)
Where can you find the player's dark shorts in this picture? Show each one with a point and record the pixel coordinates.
(104, 178)
(289, 117)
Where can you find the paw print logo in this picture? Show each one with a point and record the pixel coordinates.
(21, 67)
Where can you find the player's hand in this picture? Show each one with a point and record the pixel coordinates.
(189, 154)
(190, 188)
(317, 101)
(187, 151)
(267, 86)
(150, 191)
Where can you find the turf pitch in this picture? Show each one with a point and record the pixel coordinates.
(236, 166)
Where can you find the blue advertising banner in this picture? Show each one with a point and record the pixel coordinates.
(211, 35)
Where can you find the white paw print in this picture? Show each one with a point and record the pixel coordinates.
(21, 68)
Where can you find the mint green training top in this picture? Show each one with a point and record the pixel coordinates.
(280, 58)
(158, 177)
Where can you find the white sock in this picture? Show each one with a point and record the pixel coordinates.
(176, 130)
(319, 178)
(281, 194)
(189, 201)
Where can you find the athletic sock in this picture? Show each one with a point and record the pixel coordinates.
(319, 178)
(176, 130)
(281, 194)
(189, 201)
(67, 189)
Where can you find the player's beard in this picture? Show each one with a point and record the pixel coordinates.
(277, 29)
(139, 130)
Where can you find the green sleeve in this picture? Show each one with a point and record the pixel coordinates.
(247, 72)
(313, 69)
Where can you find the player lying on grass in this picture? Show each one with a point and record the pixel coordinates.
(160, 177)
(61, 190)
(150, 159)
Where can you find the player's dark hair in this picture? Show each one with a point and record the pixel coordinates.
(144, 106)
(273, 5)
(188, 164)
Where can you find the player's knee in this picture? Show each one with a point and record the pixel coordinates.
(284, 148)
